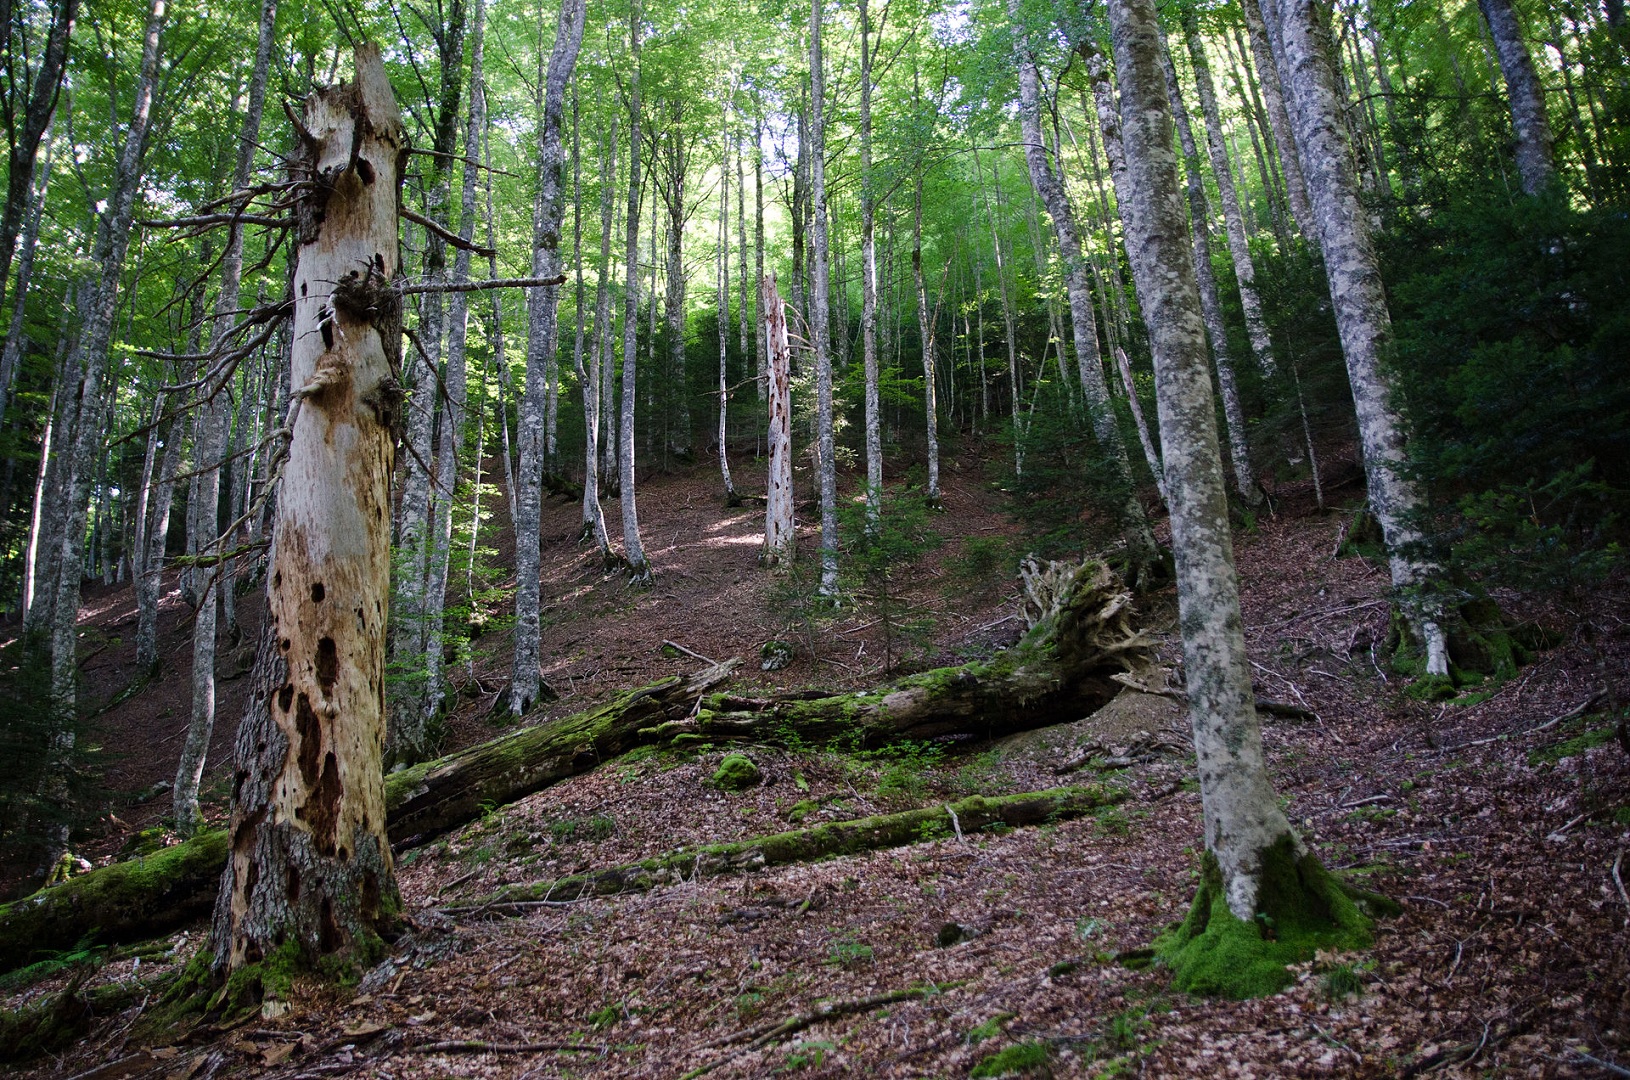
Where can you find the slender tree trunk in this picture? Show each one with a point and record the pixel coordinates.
(11, 355)
(208, 451)
(780, 537)
(868, 281)
(1242, 815)
(1239, 447)
(1528, 120)
(673, 297)
(408, 739)
(310, 865)
(1256, 122)
(1049, 185)
(925, 330)
(541, 316)
(1362, 318)
(1150, 454)
(88, 430)
(1239, 247)
(594, 522)
(639, 569)
(760, 341)
(730, 496)
(819, 304)
(38, 110)
(1284, 136)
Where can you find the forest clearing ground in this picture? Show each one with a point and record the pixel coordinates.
(1512, 952)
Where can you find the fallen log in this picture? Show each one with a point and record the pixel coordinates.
(1080, 636)
(809, 845)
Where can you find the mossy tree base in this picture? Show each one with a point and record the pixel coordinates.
(1301, 908)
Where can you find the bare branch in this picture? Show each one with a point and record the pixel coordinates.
(451, 237)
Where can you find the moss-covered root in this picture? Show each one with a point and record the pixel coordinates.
(127, 901)
(1301, 908)
(823, 841)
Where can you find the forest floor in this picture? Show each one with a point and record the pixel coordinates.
(1501, 829)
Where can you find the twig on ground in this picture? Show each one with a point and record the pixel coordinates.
(476, 1046)
(693, 654)
(957, 825)
(1572, 714)
(1616, 1070)
(1618, 882)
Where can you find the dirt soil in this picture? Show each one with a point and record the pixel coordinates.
(1500, 829)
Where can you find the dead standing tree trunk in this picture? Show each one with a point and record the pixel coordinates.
(779, 535)
(310, 867)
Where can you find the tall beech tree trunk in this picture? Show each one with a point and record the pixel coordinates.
(868, 280)
(84, 445)
(639, 569)
(208, 452)
(1263, 54)
(408, 738)
(925, 330)
(730, 496)
(676, 159)
(1239, 246)
(761, 345)
(26, 132)
(1535, 163)
(780, 538)
(309, 865)
(594, 521)
(1239, 447)
(546, 257)
(745, 323)
(1261, 864)
(820, 324)
(1360, 302)
(1049, 185)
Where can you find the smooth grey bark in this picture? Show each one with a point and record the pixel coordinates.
(819, 308)
(730, 496)
(760, 341)
(1150, 454)
(541, 319)
(1049, 186)
(639, 568)
(780, 538)
(208, 451)
(926, 329)
(1284, 136)
(149, 550)
(1242, 815)
(1362, 319)
(675, 156)
(409, 639)
(409, 733)
(1256, 124)
(1239, 448)
(1239, 246)
(25, 133)
(993, 206)
(745, 322)
(868, 281)
(93, 360)
(594, 521)
(1535, 163)
(11, 354)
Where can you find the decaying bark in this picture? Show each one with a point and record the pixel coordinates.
(309, 862)
(779, 537)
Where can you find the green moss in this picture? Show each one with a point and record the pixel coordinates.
(990, 1028)
(736, 773)
(802, 809)
(1302, 908)
(1021, 1059)
(1573, 747)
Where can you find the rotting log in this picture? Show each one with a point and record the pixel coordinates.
(438, 795)
(809, 845)
(142, 897)
(1081, 636)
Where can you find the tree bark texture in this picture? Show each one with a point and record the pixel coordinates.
(820, 309)
(1049, 185)
(1284, 136)
(639, 569)
(534, 456)
(730, 496)
(1242, 815)
(1239, 245)
(25, 136)
(1359, 298)
(925, 330)
(780, 538)
(594, 521)
(1239, 447)
(1535, 163)
(868, 281)
(309, 862)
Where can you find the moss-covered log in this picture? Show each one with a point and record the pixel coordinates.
(439, 795)
(139, 898)
(1081, 635)
(823, 841)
